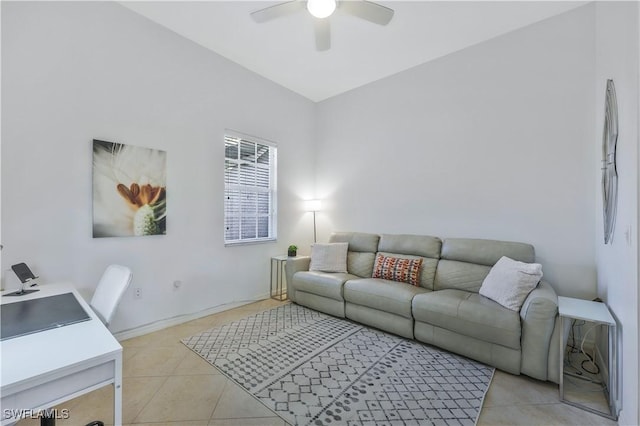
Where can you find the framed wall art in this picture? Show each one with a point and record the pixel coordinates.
(129, 190)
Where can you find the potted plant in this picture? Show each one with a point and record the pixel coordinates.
(292, 251)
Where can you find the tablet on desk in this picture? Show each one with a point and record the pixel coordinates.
(25, 275)
(45, 313)
(23, 272)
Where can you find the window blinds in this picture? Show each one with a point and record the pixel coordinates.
(250, 177)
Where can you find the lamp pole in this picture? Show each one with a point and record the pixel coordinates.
(313, 206)
(314, 226)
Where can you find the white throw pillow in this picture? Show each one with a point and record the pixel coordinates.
(509, 282)
(330, 257)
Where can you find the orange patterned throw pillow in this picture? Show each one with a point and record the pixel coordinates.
(397, 269)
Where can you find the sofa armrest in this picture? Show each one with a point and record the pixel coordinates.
(538, 318)
(293, 265)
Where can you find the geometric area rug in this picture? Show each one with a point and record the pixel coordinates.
(315, 369)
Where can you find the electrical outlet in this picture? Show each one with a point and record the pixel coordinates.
(137, 293)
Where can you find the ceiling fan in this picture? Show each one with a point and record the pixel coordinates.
(321, 10)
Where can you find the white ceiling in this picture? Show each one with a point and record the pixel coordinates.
(283, 50)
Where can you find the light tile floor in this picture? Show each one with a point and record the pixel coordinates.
(166, 384)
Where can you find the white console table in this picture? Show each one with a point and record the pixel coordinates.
(596, 313)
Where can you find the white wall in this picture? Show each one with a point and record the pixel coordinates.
(494, 141)
(74, 71)
(617, 52)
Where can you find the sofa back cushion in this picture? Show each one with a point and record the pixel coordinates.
(362, 251)
(465, 263)
(422, 247)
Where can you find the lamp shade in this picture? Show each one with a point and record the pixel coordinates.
(321, 8)
(313, 205)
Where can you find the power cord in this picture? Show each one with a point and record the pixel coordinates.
(591, 358)
(585, 368)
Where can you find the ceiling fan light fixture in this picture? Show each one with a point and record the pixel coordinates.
(321, 8)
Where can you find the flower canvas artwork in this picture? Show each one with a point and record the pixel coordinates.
(129, 190)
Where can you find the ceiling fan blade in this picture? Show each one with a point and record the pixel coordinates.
(369, 11)
(277, 11)
(323, 34)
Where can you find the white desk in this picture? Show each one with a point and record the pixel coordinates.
(46, 368)
(596, 313)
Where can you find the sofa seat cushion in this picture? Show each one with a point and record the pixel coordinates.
(383, 295)
(326, 284)
(469, 314)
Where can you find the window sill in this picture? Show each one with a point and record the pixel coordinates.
(247, 242)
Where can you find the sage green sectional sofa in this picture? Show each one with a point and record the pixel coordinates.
(445, 309)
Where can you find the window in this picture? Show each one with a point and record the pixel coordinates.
(249, 189)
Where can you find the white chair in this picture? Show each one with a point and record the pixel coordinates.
(105, 300)
(112, 285)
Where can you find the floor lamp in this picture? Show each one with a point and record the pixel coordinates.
(313, 206)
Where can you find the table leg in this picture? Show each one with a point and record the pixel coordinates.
(612, 336)
(117, 391)
(48, 418)
(562, 351)
(283, 289)
(272, 291)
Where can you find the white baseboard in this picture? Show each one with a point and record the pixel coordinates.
(180, 319)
